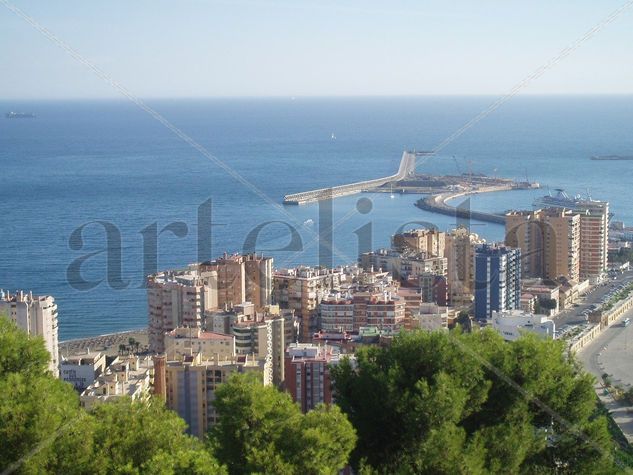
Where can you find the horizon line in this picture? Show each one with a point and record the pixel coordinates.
(291, 97)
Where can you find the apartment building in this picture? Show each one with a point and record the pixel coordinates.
(127, 376)
(594, 238)
(497, 279)
(177, 299)
(431, 317)
(263, 339)
(459, 251)
(307, 374)
(403, 265)
(430, 242)
(302, 289)
(241, 278)
(189, 341)
(351, 312)
(549, 239)
(188, 385)
(82, 370)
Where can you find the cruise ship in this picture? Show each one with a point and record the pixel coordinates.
(559, 200)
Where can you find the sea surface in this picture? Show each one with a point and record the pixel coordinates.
(87, 186)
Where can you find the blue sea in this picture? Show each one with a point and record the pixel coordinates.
(87, 185)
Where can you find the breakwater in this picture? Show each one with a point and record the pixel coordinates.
(438, 204)
(406, 169)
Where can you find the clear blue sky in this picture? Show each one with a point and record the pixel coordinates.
(312, 48)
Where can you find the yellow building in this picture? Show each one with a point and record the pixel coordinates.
(549, 239)
(429, 241)
(594, 238)
(241, 278)
(459, 251)
(188, 341)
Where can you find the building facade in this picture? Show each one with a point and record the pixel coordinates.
(549, 240)
(265, 340)
(497, 279)
(188, 341)
(241, 278)
(302, 289)
(190, 383)
(511, 324)
(307, 374)
(459, 251)
(350, 313)
(177, 299)
(594, 238)
(127, 376)
(431, 242)
(82, 370)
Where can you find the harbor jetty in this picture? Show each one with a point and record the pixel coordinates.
(405, 170)
(437, 203)
(439, 188)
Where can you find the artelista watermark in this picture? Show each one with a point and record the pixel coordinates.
(105, 264)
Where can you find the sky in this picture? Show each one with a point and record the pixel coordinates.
(207, 48)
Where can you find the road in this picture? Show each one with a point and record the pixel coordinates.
(612, 353)
(574, 315)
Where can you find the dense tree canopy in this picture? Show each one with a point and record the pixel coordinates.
(19, 353)
(43, 429)
(429, 403)
(472, 403)
(261, 430)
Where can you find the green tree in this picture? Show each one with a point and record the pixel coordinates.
(463, 320)
(20, 353)
(261, 430)
(34, 406)
(472, 403)
(44, 430)
(548, 304)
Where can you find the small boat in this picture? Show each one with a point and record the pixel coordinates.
(20, 115)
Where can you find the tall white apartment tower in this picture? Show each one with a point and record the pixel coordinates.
(37, 316)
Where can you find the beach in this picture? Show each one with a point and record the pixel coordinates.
(108, 344)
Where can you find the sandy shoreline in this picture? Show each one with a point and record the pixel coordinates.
(108, 344)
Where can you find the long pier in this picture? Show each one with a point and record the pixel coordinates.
(406, 169)
(437, 204)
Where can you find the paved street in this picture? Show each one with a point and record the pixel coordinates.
(612, 353)
(595, 296)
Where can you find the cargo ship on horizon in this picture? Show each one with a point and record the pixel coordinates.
(612, 157)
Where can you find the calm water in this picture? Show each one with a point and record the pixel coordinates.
(81, 162)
